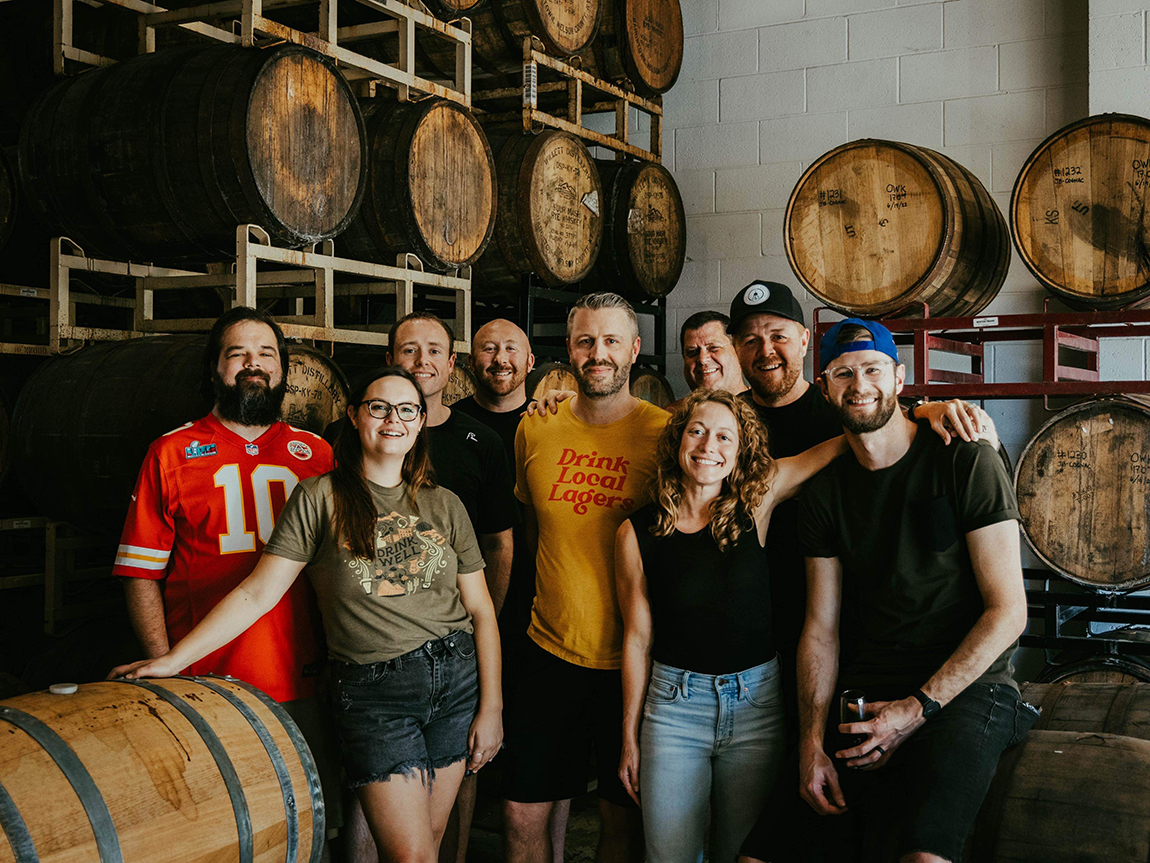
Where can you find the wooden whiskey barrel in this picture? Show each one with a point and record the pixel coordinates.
(460, 383)
(1113, 708)
(159, 158)
(83, 422)
(448, 10)
(550, 376)
(7, 199)
(1083, 482)
(875, 226)
(1064, 797)
(430, 186)
(1097, 669)
(639, 45)
(498, 27)
(550, 214)
(650, 386)
(175, 769)
(644, 231)
(1078, 214)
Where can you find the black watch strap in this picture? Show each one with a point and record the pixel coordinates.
(929, 706)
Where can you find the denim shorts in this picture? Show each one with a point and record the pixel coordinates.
(925, 799)
(406, 714)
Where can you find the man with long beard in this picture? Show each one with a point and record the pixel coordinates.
(915, 596)
(205, 502)
(579, 473)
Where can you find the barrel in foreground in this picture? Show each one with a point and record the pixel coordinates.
(172, 769)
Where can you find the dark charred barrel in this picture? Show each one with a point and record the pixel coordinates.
(7, 199)
(430, 186)
(644, 231)
(550, 214)
(873, 227)
(1097, 669)
(447, 10)
(1078, 214)
(650, 386)
(1066, 797)
(1082, 485)
(204, 769)
(639, 45)
(159, 158)
(83, 422)
(1112, 708)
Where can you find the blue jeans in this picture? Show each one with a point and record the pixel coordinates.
(707, 741)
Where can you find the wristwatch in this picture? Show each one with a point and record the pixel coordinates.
(929, 706)
(910, 411)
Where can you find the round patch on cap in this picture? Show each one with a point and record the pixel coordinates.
(756, 294)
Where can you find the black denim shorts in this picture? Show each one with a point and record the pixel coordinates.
(407, 714)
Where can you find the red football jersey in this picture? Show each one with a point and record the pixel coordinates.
(205, 503)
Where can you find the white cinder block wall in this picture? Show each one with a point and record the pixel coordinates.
(770, 85)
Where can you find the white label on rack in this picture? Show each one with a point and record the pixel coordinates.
(986, 322)
(29, 292)
(18, 523)
(530, 84)
(591, 202)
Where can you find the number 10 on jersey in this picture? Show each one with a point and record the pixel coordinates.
(238, 538)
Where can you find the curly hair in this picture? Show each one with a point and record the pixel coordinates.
(744, 487)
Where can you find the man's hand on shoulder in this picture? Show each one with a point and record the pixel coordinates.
(819, 782)
(548, 402)
(892, 723)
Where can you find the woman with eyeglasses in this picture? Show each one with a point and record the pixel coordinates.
(410, 627)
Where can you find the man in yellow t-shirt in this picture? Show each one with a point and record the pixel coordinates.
(579, 473)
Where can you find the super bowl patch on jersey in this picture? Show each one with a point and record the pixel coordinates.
(299, 449)
(196, 450)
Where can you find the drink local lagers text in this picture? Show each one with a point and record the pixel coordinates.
(588, 479)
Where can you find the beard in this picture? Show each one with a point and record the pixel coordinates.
(251, 401)
(880, 416)
(597, 388)
(485, 379)
(771, 389)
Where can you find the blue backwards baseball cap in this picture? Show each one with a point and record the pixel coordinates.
(881, 340)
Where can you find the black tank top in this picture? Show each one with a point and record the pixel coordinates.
(710, 610)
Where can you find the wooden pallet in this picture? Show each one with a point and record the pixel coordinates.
(605, 98)
(408, 23)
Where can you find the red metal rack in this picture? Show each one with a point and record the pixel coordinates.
(1070, 344)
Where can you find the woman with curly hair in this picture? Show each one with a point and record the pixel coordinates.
(699, 664)
(410, 628)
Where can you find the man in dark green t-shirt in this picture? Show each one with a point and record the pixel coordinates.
(915, 595)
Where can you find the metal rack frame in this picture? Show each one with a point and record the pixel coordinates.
(1076, 333)
(303, 275)
(573, 81)
(397, 17)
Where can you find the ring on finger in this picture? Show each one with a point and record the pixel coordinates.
(879, 750)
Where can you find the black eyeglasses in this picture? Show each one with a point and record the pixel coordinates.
(381, 410)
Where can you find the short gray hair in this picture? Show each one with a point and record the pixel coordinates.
(603, 300)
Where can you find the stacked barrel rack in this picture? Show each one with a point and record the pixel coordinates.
(204, 222)
(1077, 222)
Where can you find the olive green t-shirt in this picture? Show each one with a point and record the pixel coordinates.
(909, 595)
(406, 595)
